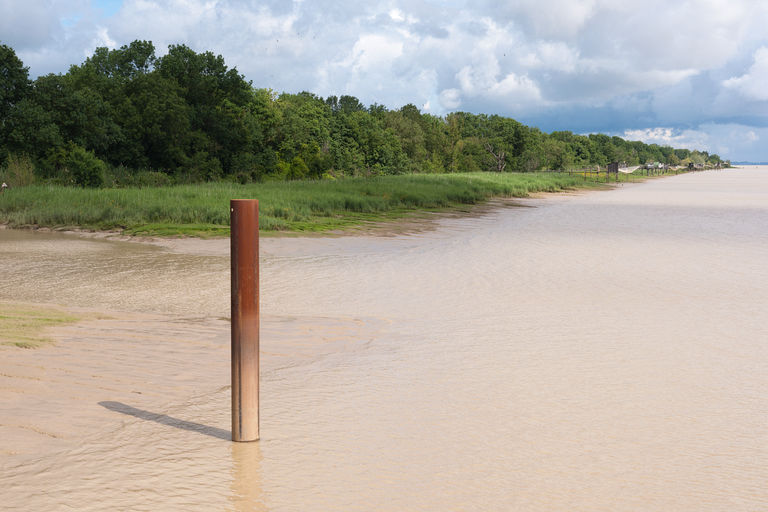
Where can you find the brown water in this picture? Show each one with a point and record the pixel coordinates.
(605, 351)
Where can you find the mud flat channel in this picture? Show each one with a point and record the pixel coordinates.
(601, 351)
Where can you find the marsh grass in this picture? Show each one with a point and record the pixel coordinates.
(19, 171)
(203, 209)
(24, 326)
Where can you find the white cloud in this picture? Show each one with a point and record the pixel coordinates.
(103, 39)
(637, 62)
(35, 24)
(373, 51)
(551, 19)
(552, 56)
(397, 15)
(754, 83)
(516, 89)
(665, 136)
(450, 99)
(729, 140)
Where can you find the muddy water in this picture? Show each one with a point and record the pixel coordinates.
(605, 351)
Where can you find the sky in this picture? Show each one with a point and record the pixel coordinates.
(685, 73)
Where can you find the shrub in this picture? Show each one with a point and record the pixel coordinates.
(298, 168)
(202, 167)
(19, 171)
(151, 179)
(74, 165)
(86, 168)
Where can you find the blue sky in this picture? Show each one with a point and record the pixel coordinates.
(689, 73)
(106, 8)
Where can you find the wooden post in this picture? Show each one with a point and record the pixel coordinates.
(244, 245)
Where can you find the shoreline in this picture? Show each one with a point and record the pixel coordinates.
(409, 222)
(287, 209)
(385, 223)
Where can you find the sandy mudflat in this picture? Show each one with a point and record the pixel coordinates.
(52, 397)
(599, 351)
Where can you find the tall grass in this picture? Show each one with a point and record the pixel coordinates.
(293, 205)
(19, 170)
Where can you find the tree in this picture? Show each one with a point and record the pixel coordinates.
(305, 125)
(349, 104)
(499, 157)
(406, 124)
(123, 64)
(577, 149)
(190, 115)
(31, 130)
(469, 156)
(204, 77)
(262, 120)
(217, 97)
(14, 80)
(14, 87)
(158, 119)
(81, 113)
(556, 155)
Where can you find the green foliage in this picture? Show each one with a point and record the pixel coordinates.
(123, 64)
(299, 205)
(30, 129)
(203, 167)
(150, 179)
(14, 81)
(434, 164)
(187, 117)
(19, 171)
(79, 166)
(298, 168)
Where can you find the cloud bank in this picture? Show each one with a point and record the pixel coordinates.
(684, 73)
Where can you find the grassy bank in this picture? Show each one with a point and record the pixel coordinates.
(203, 210)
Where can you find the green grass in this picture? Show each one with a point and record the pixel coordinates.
(203, 210)
(24, 326)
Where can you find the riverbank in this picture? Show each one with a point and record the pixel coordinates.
(298, 206)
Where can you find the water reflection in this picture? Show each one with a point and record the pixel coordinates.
(247, 494)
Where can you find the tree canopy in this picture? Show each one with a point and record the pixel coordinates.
(190, 117)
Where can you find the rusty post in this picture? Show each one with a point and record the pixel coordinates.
(244, 244)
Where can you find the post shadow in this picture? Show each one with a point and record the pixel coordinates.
(170, 421)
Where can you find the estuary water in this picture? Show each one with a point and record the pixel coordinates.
(601, 351)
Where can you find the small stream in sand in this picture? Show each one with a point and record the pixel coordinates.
(605, 351)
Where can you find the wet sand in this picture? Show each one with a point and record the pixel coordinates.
(603, 351)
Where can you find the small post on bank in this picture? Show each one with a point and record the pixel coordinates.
(244, 246)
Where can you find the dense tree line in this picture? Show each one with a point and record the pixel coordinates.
(126, 116)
